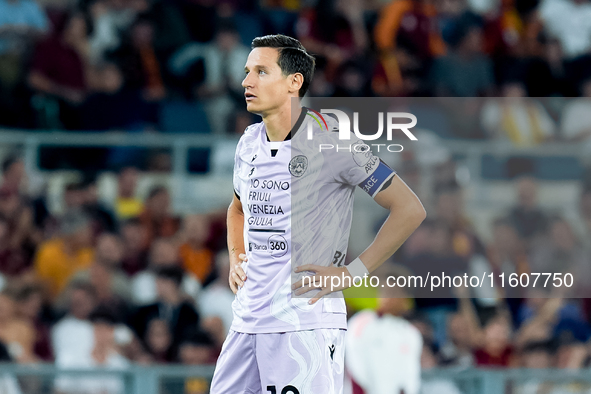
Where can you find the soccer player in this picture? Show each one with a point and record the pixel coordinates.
(291, 202)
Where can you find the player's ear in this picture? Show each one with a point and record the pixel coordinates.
(296, 82)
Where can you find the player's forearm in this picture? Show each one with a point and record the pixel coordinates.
(401, 223)
(235, 223)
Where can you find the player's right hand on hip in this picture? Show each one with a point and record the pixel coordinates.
(237, 274)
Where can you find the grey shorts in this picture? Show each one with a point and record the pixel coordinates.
(298, 362)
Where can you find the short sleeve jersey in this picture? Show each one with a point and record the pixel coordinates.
(297, 199)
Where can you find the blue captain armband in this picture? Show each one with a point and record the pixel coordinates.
(382, 176)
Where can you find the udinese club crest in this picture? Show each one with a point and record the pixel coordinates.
(298, 165)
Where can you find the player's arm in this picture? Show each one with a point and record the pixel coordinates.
(235, 223)
(406, 214)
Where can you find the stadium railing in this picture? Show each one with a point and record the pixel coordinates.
(173, 379)
(179, 144)
(480, 161)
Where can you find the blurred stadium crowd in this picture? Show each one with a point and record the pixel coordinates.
(140, 64)
(129, 282)
(106, 285)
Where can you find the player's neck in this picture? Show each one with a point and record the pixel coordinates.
(280, 123)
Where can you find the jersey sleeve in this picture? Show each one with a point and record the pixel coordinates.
(356, 165)
(237, 166)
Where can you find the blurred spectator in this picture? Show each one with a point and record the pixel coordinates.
(450, 209)
(73, 333)
(142, 70)
(538, 355)
(102, 217)
(22, 232)
(170, 306)
(135, 255)
(496, 347)
(407, 41)
(163, 253)
(457, 351)
(170, 30)
(196, 349)
(58, 259)
(509, 30)
(547, 75)
(105, 276)
(109, 18)
(464, 71)
(522, 121)
(158, 341)
(561, 252)
(16, 333)
(59, 70)
(30, 307)
(74, 196)
(439, 256)
(507, 254)
(222, 89)
(352, 81)
(576, 116)
(492, 341)
(156, 216)
(335, 31)
(13, 175)
(392, 364)
(19, 214)
(13, 261)
(572, 352)
(216, 299)
(570, 22)
(22, 22)
(107, 339)
(541, 316)
(280, 16)
(196, 257)
(104, 352)
(111, 106)
(528, 218)
(127, 204)
(320, 86)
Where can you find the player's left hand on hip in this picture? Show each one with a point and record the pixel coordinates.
(326, 279)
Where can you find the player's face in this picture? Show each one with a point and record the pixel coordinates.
(265, 86)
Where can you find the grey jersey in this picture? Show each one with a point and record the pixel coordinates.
(297, 210)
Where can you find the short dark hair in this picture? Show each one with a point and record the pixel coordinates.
(174, 273)
(292, 59)
(103, 314)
